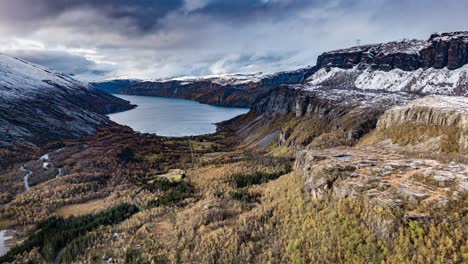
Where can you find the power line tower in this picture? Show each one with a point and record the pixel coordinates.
(358, 42)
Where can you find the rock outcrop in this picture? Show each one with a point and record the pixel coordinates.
(38, 105)
(419, 188)
(440, 118)
(430, 110)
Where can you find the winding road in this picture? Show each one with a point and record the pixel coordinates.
(59, 256)
(26, 177)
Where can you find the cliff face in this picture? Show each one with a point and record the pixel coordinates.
(320, 117)
(440, 50)
(433, 110)
(435, 66)
(38, 105)
(361, 126)
(441, 120)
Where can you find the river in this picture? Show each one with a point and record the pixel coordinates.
(5, 235)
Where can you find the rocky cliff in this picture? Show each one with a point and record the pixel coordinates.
(294, 116)
(38, 105)
(435, 123)
(435, 66)
(439, 51)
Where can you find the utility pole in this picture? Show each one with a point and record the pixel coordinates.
(358, 42)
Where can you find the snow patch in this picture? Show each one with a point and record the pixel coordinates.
(426, 81)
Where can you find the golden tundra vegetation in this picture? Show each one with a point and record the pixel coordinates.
(235, 202)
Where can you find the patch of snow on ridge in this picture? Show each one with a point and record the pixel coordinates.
(221, 79)
(446, 103)
(392, 81)
(408, 46)
(425, 81)
(322, 75)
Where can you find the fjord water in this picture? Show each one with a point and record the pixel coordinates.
(173, 117)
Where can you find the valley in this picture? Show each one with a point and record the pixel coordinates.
(359, 159)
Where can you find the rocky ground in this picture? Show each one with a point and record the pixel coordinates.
(421, 187)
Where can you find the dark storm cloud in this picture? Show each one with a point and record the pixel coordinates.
(240, 10)
(143, 15)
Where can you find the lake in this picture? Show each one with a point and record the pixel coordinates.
(173, 117)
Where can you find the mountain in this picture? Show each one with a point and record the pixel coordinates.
(435, 66)
(236, 90)
(354, 90)
(38, 105)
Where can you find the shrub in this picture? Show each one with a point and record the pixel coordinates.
(244, 195)
(126, 154)
(180, 192)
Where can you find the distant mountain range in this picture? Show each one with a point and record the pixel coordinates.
(237, 90)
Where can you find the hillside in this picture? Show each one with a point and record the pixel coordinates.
(38, 105)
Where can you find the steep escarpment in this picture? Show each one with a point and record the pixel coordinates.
(439, 51)
(38, 105)
(435, 66)
(236, 90)
(298, 117)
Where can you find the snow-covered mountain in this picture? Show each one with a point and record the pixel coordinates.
(436, 66)
(37, 104)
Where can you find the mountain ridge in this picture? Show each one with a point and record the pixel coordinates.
(38, 105)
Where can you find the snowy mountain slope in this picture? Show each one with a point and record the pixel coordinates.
(37, 105)
(423, 81)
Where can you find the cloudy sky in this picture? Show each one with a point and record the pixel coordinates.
(101, 39)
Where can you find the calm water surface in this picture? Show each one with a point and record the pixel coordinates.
(173, 117)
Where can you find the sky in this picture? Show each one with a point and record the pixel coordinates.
(143, 39)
